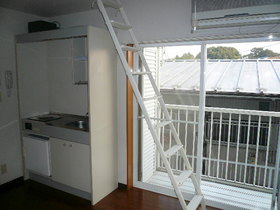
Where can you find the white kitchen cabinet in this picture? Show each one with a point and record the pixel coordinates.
(103, 122)
(92, 56)
(70, 164)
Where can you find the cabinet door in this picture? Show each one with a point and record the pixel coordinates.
(71, 164)
(79, 159)
(60, 164)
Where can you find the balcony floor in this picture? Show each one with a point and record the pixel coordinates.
(220, 195)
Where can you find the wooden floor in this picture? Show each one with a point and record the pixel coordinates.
(31, 195)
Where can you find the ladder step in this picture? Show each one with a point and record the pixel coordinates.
(184, 176)
(112, 4)
(173, 150)
(163, 124)
(151, 98)
(194, 203)
(120, 25)
(127, 48)
(140, 73)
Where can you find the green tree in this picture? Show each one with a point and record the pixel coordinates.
(185, 56)
(221, 53)
(259, 52)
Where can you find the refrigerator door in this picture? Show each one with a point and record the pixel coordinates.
(37, 156)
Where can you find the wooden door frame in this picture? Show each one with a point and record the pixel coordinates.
(129, 123)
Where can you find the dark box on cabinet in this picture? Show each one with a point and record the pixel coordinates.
(41, 25)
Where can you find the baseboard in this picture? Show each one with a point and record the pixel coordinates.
(59, 186)
(122, 186)
(11, 184)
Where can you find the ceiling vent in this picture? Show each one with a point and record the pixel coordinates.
(229, 13)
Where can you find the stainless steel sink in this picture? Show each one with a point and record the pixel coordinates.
(81, 124)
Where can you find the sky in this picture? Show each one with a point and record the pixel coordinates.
(243, 48)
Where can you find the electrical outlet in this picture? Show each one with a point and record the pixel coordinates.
(3, 169)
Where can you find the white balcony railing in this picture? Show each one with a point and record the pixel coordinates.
(239, 145)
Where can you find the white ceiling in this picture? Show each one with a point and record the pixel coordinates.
(47, 8)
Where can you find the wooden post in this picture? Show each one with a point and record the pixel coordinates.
(129, 124)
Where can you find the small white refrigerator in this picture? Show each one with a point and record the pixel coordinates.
(37, 154)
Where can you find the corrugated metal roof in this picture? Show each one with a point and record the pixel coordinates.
(230, 76)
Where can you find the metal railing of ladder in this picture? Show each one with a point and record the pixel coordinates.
(178, 147)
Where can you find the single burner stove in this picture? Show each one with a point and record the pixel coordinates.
(45, 117)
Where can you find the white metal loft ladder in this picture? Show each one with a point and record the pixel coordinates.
(178, 147)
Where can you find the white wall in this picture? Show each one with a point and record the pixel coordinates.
(45, 71)
(11, 23)
(64, 96)
(33, 78)
(152, 20)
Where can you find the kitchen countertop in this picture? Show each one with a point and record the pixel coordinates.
(58, 128)
(65, 119)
